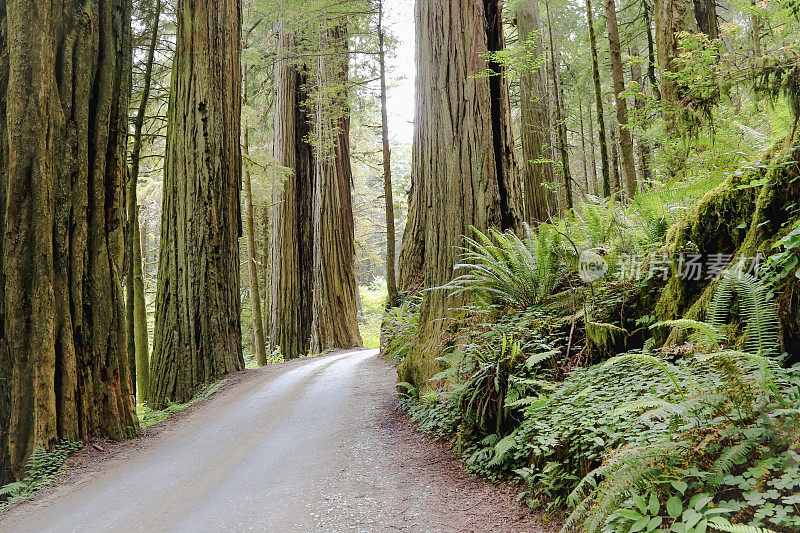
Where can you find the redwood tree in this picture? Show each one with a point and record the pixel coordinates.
(463, 168)
(63, 129)
(198, 330)
(291, 236)
(335, 316)
(537, 165)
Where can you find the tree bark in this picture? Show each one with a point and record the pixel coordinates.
(138, 343)
(538, 176)
(252, 263)
(292, 237)
(463, 167)
(391, 249)
(595, 185)
(198, 323)
(63, 131)
(583, 149)
(561, 122)
(755, 29)
(672, 17)
(621, 105)
(335, 320)
(705, 11)
(651, 49)
(598, 93)
(645, 152)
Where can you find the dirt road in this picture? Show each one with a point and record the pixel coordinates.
(309, 445)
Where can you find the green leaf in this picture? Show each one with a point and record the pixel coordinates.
(674, 507)
(630, 514)
(680, 486)
(655, 505)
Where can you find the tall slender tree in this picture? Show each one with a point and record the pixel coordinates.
(198, 326)
(335, 314)
(561, 120)
(135, 305)
(538, 176)
(598, 94)
(259, 344)
(463, 168)
(292, 254)
(391, 250)
(63, 128)
(620, 103)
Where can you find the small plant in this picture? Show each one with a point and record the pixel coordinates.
(41, 469)
(398, 330)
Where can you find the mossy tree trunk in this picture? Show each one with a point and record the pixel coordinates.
(463, 170)
(198, 325)
(740, 221)
(292, 253)
(537, 165)
(63, 125)
(335, 309)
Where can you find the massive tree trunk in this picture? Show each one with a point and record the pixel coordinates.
(335, 321)
(598, 94)
(198, 324)
(463, 168)
(391, 249)
(621, 105)
(135, 305)
(291, 289)
(537, 164)
(63, 129)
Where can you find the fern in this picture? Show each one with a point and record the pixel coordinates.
(502, 268)
(721, 524)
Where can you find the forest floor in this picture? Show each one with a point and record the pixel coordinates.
(308, 445)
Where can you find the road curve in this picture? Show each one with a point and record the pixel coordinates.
(293, 447)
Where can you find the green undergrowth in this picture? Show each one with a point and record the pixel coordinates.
(569, 388)
(149, 417)
(42, 468)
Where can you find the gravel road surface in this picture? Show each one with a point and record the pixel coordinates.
(307, 445)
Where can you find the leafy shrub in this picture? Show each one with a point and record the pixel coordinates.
(726, 417)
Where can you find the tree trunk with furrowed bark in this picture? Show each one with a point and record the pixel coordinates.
(537, 164)
(335, 315)
(198, 327)
(291, 288)
(463, 167)
(63, 127)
